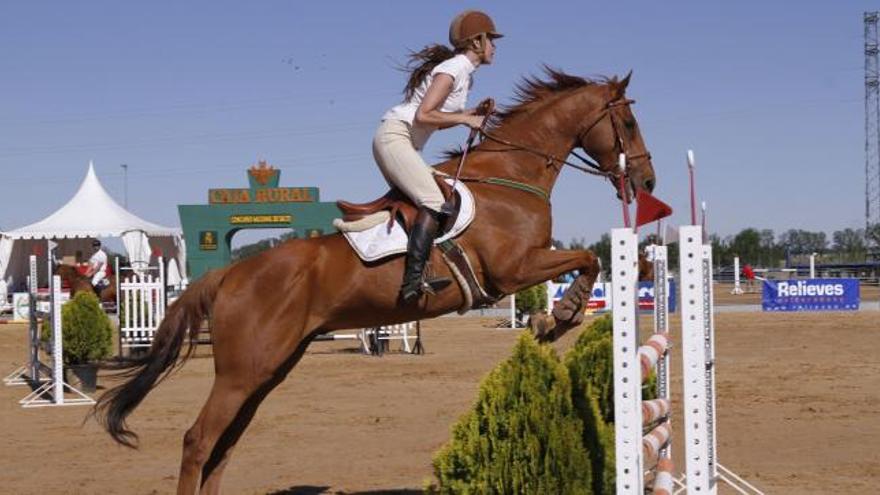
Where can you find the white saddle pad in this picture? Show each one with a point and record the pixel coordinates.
(371, 239)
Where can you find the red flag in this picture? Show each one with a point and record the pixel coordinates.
(649, 208)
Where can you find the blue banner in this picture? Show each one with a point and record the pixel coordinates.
(600, 298)
(817, 294)
(646, 296)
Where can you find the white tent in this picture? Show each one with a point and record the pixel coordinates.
(91, 213)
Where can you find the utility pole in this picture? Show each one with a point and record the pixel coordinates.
(125, 184)
(872, 123)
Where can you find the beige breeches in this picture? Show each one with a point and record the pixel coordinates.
(403, 166)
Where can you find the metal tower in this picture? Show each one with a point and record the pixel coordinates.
(872, 122)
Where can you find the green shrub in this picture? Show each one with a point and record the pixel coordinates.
(522, 435)
(87, 335)
(591, 369)
(539, 426)
(531, 300)
(590, 365)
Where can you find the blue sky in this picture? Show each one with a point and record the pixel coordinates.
(189, 94)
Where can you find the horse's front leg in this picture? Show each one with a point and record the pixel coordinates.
(540, 265)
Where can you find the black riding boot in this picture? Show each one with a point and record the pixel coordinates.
(418, 251)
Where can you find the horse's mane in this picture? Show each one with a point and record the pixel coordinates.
(532, 90)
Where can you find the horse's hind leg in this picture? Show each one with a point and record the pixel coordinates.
(227, 397)
(229, 409)
(212, 469)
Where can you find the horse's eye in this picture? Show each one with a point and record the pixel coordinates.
(630, 124)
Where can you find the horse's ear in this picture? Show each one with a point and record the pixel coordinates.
(618, 87)
(625, 82)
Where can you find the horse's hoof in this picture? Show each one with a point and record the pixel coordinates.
(562, 313)
(542, 326)
(568, 311)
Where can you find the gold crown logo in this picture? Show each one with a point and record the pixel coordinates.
(262, 172)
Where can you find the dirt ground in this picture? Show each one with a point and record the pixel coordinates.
(798, 412)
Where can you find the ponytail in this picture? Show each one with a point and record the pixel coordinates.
(421, 64)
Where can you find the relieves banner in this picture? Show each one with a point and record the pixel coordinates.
(818, 294)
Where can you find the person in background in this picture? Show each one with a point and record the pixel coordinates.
(748, 273)
(97, 265)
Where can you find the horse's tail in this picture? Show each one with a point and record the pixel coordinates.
(183, 319)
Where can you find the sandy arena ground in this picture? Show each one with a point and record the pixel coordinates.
(798, 411)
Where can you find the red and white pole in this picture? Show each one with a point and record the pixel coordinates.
(621, 186)
(690, 161)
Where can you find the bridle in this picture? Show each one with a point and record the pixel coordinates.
(591, 167)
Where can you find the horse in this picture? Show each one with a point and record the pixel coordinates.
(77, 282)
(266, 309)
(646, 269)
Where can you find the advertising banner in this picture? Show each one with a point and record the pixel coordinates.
(646, 296)
(818, 294)
(600, 298)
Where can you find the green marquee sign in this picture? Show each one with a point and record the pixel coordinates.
(208, 229)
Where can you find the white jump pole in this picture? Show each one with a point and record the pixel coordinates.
(627, 373)
(57, 359)
(549, 297)
(34, 327)
(698, 360)
(513, 310)
(813, 265)
(737, 287)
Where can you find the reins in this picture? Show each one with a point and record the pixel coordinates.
(588, 166)
(594, 168)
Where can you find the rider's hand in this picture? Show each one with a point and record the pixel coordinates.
(474, 121)
(486, 107)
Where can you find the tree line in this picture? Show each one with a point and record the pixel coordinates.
(763, 248)
(759, 248)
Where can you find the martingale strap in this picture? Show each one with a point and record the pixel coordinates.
(474, 294)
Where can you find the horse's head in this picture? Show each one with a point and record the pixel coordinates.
(63, 271)
(613, 130)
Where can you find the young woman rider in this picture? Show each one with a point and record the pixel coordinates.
(435, 97)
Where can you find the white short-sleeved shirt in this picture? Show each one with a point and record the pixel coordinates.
(98, 260)
(460, 68)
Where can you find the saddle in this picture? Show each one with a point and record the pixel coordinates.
(400, 207)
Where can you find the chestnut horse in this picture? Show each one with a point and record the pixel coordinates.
(77, 282)
(265, 310)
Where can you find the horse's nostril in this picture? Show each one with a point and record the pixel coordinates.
(649, 185)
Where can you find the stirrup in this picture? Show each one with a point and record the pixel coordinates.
(435, 285)
(429, 287)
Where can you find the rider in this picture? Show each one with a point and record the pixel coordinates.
(434, 98)
(97, 264)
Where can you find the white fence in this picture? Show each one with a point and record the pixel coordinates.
(377, 340)
(140, 299)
